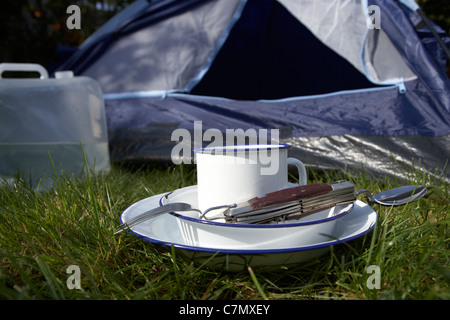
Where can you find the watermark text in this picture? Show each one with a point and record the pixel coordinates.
(182, 152)
(374, 19)
(374, 280)
(73, 281)
(74, 20)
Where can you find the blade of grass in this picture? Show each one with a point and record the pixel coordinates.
(256, 283)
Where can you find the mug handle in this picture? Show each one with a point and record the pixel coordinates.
(302, 176)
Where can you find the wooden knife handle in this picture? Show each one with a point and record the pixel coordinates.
(290, 194)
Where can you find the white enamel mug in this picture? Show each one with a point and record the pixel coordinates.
(234, 174)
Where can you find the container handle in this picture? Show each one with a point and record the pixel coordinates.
(24, 67)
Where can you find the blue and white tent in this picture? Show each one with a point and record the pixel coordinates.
(348, 83)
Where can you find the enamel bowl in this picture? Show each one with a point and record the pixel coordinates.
(315, 228)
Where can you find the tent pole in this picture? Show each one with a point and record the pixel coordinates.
(433, 31)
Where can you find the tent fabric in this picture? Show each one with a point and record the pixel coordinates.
(342, 25)
(179, 47)
(325, 131)
(342, 94)
(362, 112)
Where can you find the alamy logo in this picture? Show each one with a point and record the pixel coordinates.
(374, 19)
(74, 20)
(374, 280)
(182, 151)
(73, 281)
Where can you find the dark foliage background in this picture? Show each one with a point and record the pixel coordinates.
(33, 30)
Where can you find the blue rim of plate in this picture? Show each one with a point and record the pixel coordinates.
(260, 226)
(321, 245)
(234, 148)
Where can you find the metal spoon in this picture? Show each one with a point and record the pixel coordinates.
(396, 196)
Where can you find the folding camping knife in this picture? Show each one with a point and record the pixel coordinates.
(292, 203)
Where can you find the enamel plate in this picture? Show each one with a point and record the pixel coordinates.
(232, 247)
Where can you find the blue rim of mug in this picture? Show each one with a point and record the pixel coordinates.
(249, 147)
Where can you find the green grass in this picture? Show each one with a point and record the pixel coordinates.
(42, 234)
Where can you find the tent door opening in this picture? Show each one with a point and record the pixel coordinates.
(269, 54)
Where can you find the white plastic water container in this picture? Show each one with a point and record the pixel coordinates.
(50, 124)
